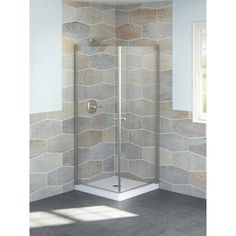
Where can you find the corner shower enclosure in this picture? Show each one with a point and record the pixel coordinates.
(116, 117)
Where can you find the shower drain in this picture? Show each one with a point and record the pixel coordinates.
(116, 185)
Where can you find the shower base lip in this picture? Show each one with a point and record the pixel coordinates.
(117, 196)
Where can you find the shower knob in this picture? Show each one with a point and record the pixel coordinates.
(92, 106)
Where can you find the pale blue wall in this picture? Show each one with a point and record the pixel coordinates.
(185, 13)
(45, 55)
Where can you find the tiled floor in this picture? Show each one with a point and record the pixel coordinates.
(158, 213)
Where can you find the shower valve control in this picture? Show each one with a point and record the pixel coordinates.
(92, 106)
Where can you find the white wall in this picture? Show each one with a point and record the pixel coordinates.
(185, 13)
(45, 55)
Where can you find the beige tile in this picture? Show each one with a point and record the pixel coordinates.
(157, 30)
(68, 94)
(90, 169)
(102, 6)
(76, 4)
(189, 190)
(128, 32)
(128, 7)
(61, 143)
(120, 42)
(165, 62)
(37, 182)
(46, 129)
(68, 13)
(61, 176)
(122, 17)
(109, 105)
(198, 179)
(189, 129)
(109, 17)
(142, 107)
(165, 46)
(101, 151)
(67, 78)
(149, 154)
(76, 30)
(165, 185)
(141, 50)
(67, 45)
(150, 62)
(108, 164)
(109, 135)
(142, 138)
(173, 142)
(166, 157)
(68, 62)
(167, 111)
(132, 61)
(45, 193)
(89, 15)
(142, 77)
(142, 168)
(90, 138)
(174, 175)
(102, 61)
(45, 163)
(142, 42)
(142, 16)
(101, 121)
(165, 14)
(82, 62)
(37, 147)
(109, 76)
(102, 31)
(89, 77)
(157, 3)
(37, 117)
(68, 187)
(189, 161)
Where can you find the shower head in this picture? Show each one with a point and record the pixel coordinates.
(94, 42)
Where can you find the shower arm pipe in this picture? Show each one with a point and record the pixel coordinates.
(76, 48)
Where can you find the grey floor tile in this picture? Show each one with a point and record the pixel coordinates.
(158, 213)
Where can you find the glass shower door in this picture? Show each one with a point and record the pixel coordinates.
(116, 103)
(138, 105)
(95, 109)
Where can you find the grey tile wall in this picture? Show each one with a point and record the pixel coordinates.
(182, 143)
(95, 80)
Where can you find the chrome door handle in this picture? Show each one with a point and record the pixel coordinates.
(122, 118)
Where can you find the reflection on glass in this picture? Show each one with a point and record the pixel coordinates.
(203, 59)
(204, 83)
(204, 105)
(203, 33)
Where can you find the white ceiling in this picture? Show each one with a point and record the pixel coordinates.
(120, 1)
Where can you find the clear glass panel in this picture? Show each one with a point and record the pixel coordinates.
(203, 59)
(204, 83)
(138, 116)
(116, 97)
(204, 103)
(96, 103)
(204, 38)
